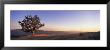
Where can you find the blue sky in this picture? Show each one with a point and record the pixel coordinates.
(61, 20)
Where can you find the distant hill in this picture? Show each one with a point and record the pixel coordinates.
(18, 32)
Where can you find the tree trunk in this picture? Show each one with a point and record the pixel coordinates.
(33, 33)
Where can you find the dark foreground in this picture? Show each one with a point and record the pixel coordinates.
(54, 35)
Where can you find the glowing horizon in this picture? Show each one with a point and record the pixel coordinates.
(61, 20)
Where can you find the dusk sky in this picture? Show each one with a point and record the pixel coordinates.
(61, 20)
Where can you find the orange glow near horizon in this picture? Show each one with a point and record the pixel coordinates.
(80, 28)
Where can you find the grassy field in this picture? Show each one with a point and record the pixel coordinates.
(55, 35)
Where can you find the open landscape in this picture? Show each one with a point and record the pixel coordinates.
(55, 25)
(54, 35)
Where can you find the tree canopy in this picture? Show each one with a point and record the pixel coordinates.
(31, 23)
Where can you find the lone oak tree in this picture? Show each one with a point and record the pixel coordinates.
(31, 24)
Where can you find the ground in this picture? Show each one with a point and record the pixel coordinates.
(54, 35)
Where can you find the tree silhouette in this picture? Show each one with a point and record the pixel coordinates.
(31, 24)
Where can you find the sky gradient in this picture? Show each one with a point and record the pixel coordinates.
(61, 20)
